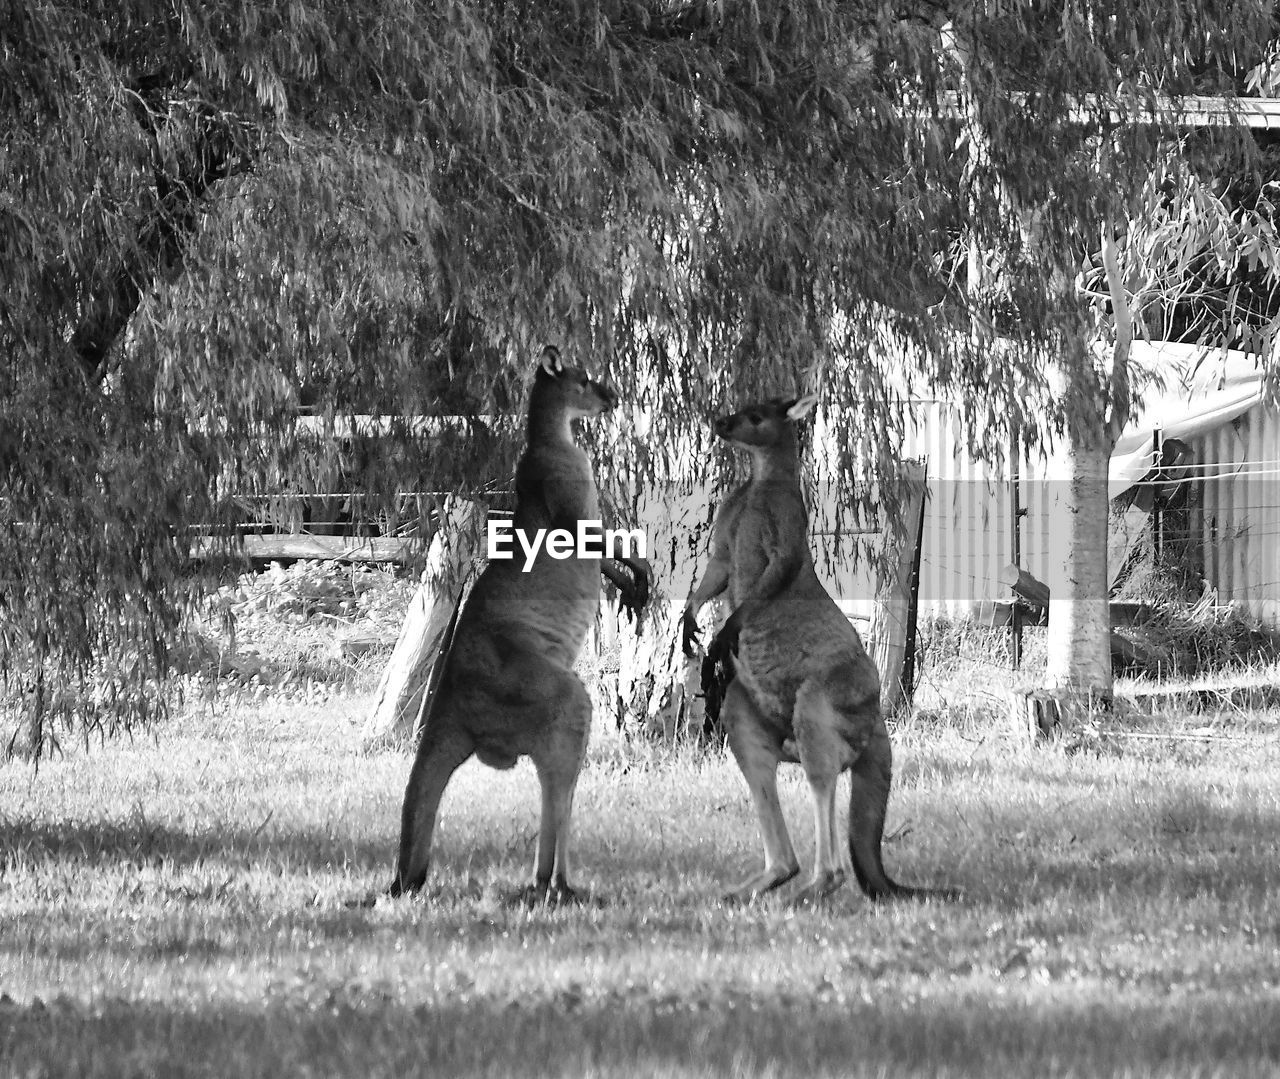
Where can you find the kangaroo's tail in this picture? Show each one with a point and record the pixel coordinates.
(868, 799)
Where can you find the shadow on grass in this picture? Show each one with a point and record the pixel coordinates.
(355, 1030)
(459, 865)
(99, 844)
(1184, 844)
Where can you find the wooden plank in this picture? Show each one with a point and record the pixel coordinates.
(278, 546)
(1128, 613)
(415, 666)
(996, 613)
(1035, 593)
(1039, 713)
(1025, 585)
(1123, 536)
(1129, 655)
(1125, 654)
(1205, 111)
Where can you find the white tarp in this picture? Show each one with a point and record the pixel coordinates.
(1182, 391)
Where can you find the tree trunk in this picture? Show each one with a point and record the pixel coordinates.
(656, 683)
(1079, 633)
(1079, 636)
(893, 619)
(400, 698)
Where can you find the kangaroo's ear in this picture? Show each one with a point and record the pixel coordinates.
(799, 408)
(551, 362)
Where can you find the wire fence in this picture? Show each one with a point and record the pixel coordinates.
(1218, 517)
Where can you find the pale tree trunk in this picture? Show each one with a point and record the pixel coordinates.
(400, 697)
(657, 685)
(1079, 634)
(1078, 673)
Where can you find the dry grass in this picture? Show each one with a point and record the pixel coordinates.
(178, 908)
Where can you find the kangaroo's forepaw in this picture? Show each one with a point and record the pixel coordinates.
(689, 635)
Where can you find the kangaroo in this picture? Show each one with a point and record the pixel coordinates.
(507, 687)
(804, 689)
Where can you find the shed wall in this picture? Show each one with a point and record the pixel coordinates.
(1239, 521)
(967, 532)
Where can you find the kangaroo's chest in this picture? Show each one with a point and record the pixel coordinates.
(768, 525)
(551, 589)
(559, 599)
(555, 488)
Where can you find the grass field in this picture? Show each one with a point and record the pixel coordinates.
(178, 906)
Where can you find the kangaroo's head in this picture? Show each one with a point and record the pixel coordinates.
(567, 392)
(767, 425)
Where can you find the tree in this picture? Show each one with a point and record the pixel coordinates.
(1109, 95)
(211, 214)
(1183, 253)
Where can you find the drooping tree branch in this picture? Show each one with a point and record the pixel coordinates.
(1122, 313)
(204, 149)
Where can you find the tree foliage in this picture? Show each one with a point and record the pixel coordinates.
(214, 213)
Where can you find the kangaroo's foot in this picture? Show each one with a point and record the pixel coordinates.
(762, 883)
(823, 884)
(549, 893)
(560, 894)
(401, 886)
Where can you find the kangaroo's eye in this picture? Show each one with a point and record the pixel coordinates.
(584, 382)
(754, 417)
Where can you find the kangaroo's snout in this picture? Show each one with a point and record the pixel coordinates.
(723, 426)
(608, 395)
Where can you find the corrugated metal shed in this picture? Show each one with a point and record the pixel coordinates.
(968, 536)
(1239, 466)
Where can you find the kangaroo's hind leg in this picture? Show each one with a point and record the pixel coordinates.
(822, 741)
(838, 719)
(558, 751)
(757, 748)
(443, 748)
